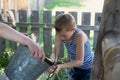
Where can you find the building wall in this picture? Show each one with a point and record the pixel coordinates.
(39, 4)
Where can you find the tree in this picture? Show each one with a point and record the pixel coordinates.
(107, 54)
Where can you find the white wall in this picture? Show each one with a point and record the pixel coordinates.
(37, 4)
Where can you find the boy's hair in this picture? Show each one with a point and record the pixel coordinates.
(64, 22)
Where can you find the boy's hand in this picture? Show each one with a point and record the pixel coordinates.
(50, 69)
(57, 69)
(54, 69)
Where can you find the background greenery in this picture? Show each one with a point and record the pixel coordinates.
(63, 3)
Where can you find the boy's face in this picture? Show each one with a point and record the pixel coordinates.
(66, 35)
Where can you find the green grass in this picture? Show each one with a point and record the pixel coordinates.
(63, 3)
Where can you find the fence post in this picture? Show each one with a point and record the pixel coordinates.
(75, 16)
(23, 18)
(2, 41)
(86, 21)
(47, 19)
(35, 31)
(97, 24)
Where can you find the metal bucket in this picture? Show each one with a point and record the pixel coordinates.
(24, 66)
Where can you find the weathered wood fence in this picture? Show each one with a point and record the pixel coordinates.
(40, 28)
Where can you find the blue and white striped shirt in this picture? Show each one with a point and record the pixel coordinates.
(88, 56)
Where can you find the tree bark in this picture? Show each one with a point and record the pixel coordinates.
(109, 27)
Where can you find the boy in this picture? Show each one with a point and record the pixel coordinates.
(78, 46)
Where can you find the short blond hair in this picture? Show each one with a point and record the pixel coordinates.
(64, 22)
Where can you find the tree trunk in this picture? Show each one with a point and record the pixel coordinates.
(107, 54)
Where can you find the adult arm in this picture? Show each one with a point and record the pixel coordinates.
(9, 33)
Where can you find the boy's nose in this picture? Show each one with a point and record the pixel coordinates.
(62, 38)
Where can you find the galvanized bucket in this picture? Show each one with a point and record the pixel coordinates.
(24, 66)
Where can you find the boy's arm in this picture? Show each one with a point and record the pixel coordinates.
(80, 41)
(54, 55)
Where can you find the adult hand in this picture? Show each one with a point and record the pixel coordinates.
(36, 51)
(52, 57)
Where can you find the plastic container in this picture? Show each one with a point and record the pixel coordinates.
(24, 66)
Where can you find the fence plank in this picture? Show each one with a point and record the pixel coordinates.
(2, 46)
(2, 41)
(23, 18)
(1, 17)
(97, 24)
(86, 21)
(75, 16)
(35, 31)
(47, 37)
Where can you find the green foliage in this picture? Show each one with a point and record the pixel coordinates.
(62, 75)
(41, 16)
(6, 56)
(4, 60)
(1, 71)
(63, 3)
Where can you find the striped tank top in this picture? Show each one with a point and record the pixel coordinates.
(88, 54)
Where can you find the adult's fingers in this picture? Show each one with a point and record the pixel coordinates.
(43, 55)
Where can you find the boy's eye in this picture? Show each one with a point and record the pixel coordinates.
(63, 35)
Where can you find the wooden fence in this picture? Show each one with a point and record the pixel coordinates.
(40, 28)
